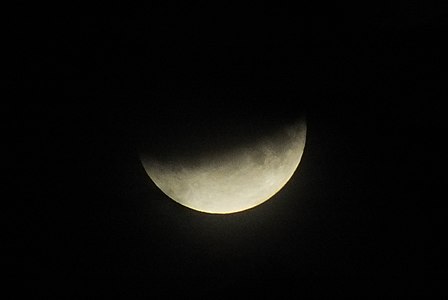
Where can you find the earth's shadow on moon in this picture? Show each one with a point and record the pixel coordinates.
(211, 123)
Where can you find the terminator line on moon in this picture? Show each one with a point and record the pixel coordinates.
(237, 180)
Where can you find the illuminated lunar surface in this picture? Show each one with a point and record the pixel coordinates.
(236, 180)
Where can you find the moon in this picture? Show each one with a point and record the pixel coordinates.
(236, 179)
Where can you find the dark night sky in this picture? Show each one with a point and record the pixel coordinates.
(87, 83)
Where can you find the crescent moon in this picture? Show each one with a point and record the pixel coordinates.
(237, 180)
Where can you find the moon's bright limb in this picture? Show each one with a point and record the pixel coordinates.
(238, 180)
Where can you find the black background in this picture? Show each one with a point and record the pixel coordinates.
(86, 83)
